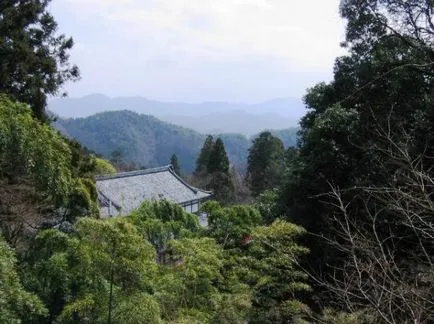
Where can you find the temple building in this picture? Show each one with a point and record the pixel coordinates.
(122, 193)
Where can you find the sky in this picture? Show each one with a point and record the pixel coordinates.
(201, 50)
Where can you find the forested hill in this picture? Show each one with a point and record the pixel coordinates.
(205, 117)
(148, 141)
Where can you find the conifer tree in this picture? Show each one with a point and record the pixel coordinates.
(218, 169)
(218, 159)
(36, 59)
(175, 164)
(205, 152)
(266, 163)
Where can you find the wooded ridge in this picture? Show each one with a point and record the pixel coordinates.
(148, 142)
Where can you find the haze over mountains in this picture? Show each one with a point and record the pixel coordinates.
(149, 142)
(206, 117)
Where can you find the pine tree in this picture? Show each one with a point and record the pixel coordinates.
(218, 159)
(205, 152)
(35, 60)
(175, 164)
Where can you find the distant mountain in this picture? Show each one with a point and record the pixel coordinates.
(148, 141)
(236, 121)
(206, 117)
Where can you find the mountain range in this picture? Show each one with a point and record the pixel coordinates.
(206, 117)
(148, 141)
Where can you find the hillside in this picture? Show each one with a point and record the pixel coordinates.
(148, 141)
(206, 117)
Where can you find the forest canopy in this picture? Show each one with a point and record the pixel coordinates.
(339, 229)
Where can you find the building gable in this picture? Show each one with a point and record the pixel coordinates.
(122, 193)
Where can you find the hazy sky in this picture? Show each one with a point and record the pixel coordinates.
(201, 50)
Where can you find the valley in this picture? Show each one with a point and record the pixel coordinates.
(149, 142)
(204, 117)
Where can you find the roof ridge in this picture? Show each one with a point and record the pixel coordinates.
(116, 205)
(194, 189)
(134, 173)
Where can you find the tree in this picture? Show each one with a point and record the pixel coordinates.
(269, 206)
(387, 247)
(103, 167)
(263, 257)
(199, 267)
(380, 98)
(102, 272)
(278, 280)
(190, 287)
(44, 157)
(39, 178)
(37, 58)
(16, 304)
(266, 163)
(218, 159)
(160, 222)
(222, 187)
(108, 269)
(216, 175)
(230, 225)
(83, 163)
(117, 157)
(204, 155)
(175, 164)
(241, 192)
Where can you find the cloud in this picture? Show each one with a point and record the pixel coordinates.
(304, 33)
(211, 45)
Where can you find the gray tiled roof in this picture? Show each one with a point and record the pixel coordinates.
(128, 190)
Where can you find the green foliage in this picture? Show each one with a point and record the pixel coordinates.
(218, 159)
(204, 155)
(215, 175)
(222, 186)
(16, 304)
(31, 151)
(103, 167)
(217, 170)
(166, 212)
(159, 222)
(267, 203)
(82, 199)
(78, 274)
(288, 136)
(194, 290)
(266, 163)
(137, 309)
(367, 136)
(83, 162)
(331, 316)
(48, 272)
(29, 148)
(147, 141)
(158, 266)
(75, 273)
(175, 164)
(37, 59)
(230, 225)
(117, 157)
(143, 140)
(274, 273)
(364, 130)
(263, 258)
(115, 254)
(200, 266)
